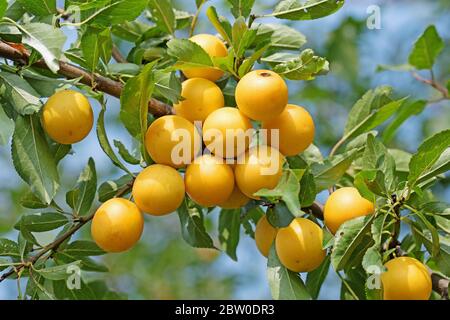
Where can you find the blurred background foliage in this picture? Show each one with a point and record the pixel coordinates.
(162, 266)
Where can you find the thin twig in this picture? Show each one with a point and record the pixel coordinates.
(69, 71)
(432, 83)
(117, 55)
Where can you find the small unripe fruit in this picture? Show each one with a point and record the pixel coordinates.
(406, 279)
(201, 98)
(296, 130)
(299, 246)
(265, 234)
(345, 204)
(117, 225)
(261, 95)
(209, 181)
(67, 117)
(227, 133)
(236, 200)
(158, 190)
(261, 167)
(215, 48)
(173, 141)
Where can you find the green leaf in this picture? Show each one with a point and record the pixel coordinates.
(434, 234)
(221, 24)
(118, 11)
(188, 54)
(39, 8)
(288, 189)
(167, 86)
(192, 226)
(306, 67)
(45, 39)
(110, 188)
(95, 44)
(308, 190)
(3, 7)
(372, 258)
(309, 10)
(36, 288)
(134, 102)
(60, 272)
(379, 166)
(20, 94)
(42, 222)
(83, 248)
(440, 261)
(426, 49)
(284, 284)
(248, 63)
(242, 37)
(6, 127)
(374, 119)
(30, 200)
(104, 143)
(86, 263)
(349, 235)
(250, 218)
(241, 8)
(404, 112)
(427, 155)
(9, 248)
(33, 159)
(46, 86)
(125, 154)
(329, 172)
(279, 216)
(372, 100)
(441, 166)
(229, 230)
(436, 208)
(315, 278)
(85, 189)
(63, 292)
(370, 183)
(280, 36)
(163, 15)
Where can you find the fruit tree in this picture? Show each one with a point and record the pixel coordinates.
(214, 130)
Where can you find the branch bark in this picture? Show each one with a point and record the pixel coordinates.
(70, 71)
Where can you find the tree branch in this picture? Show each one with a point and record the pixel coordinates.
(433, 83)
(55, 244)
(70, 71)
(117, 55)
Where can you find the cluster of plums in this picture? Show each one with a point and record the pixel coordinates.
(225, 176)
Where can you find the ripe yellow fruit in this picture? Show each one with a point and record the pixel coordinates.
(117, 225)
(406, 279)
(201, 97)
(296, 130)
(173, 141)
(227, 133)
(345, 204)
(236, 200)
(215, 48)
(209, 181)
(299, 245)
(260, 167)
(265, 234)
(67, 117)
(261, 95)
(158, 190)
